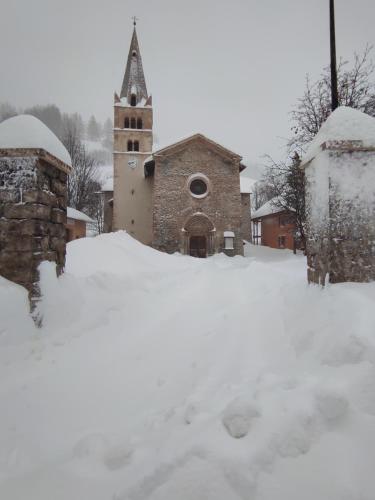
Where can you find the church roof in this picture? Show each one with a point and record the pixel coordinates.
(192, 138)
(134, 79)
(149, 163)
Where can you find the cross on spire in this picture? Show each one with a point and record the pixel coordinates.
(135, 19)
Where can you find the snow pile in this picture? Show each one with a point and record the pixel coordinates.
(160, 377)
(26, 131)
(344, 124)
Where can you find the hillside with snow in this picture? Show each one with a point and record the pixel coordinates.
(159, 377)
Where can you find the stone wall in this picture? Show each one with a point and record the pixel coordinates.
(245, 217)
(340, 209)
(32, 216)
(174, 205)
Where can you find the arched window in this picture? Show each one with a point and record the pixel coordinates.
(136, 146)
(126, 125)
(130, 146)
(139, 122)
(134, 53)
(132, 123)
(133, 100)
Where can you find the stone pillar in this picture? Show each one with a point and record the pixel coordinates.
(33, 197)
(340, 213)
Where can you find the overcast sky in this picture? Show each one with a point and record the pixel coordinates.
(230, 69)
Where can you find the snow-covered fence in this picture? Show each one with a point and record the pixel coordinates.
(340, 199)
(33, 188)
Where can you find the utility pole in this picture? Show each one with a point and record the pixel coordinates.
(334, 90)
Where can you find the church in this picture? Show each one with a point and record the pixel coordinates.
(183, 198)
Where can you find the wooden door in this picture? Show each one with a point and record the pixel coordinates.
(198, 246)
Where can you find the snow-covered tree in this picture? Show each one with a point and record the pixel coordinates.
(50, 115)
(93, 129)
(285, 183)
(7, 111)
(356, 89)
(107, 140)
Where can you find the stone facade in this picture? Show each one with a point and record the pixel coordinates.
(33, 189)
(245, 217)
(178, 215)
(340, 210)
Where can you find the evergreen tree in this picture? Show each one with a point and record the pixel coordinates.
(93, 129)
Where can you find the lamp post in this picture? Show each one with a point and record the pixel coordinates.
(334, 90)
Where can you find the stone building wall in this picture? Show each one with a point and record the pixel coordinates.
(340, 209)
(75, 229)
(245, 217)
(32, 216)
(277, 230)
(174, 205)
(108, 211)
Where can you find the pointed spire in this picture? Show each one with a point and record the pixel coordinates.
(134, 83)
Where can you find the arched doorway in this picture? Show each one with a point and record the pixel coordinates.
(198, 236)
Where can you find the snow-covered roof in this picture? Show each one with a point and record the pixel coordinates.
(344, 124)
(26, 131)
(72, 213)
(246, 184)
(267, 209)
(228, 234)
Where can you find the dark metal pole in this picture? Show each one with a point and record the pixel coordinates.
(334, 90)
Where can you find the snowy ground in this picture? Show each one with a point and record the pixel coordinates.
(161, 377)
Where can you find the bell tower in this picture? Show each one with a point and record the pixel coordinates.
(132, 195)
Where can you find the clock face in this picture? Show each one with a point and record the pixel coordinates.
(132, 162)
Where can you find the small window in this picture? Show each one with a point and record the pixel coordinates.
(198, 187)
(133, 100)
(228, 240)
(134, 53)
(281, 241)
(136, 146)
(139, 122)
(126, 123)
(132, 123)
(130, 146)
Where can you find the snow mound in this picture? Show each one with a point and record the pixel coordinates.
(238, 417)
(344, 124)
(164, 377)
(26, 131)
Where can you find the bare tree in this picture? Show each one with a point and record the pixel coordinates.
(82, 182)
(286, 181)
(356, 89)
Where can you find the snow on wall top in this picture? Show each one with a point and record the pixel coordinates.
(270, 207)
(26, 131)
(344, 124)
(75, 214)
